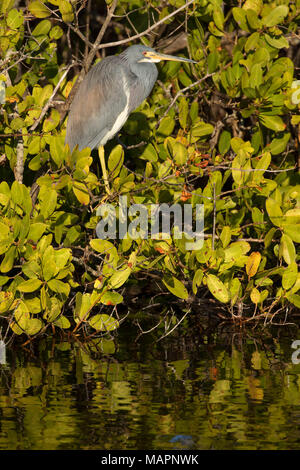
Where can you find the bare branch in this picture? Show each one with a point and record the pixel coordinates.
(148, 30)
(19, 167)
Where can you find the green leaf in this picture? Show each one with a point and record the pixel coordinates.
(30, 286)
(255, 5)
(3, 280)
(115, 161)
(31, 269)
(197, 280)
(6, 5)
(66, 10)
(278, 43)
(176, 287)
(183, 115)
(278, 145)
(262, 164)
(52, 310)
(33, 326)
(108, 249)
(235, 290)
(52, 121)
(218, 17)
(6, 300)
(36, 145)
(48, 200)
(287, 249)
(48, 264)
(14, 19)
(239, 16)
(276, 16)
(252, 41)
(103, 322)
(8, 260)
(272, 122)
(119, 277)
(62, 322)
(217, 288)
(253, 20)
(166, 126)
(295, 299)
(180, 153)
(164, 169)
(17, 193)
(57, 151)
(202, 129)
(21, 316)
(255, 295)
(293, 231)
(39, 10)
(149, 153)
(111, 298)
(4, 231)
(224, 142)
(42, 28)
(256, 76)
(82, 307)
(236, 250)
(81, 192)
(59, 287)
(274, 211)
(289, 276)
(56, 33)
(225, 236)
(36, 230)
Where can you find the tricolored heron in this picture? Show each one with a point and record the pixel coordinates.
(111, 90)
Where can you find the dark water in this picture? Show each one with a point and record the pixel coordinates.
(195, 389)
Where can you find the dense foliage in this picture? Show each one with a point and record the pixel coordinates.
(223, 132)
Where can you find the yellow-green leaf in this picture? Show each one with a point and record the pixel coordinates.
(253, 263)
(81, 192)
(66, 10)
(39, 10)
(176, 287)
(287, 249)
(103, 322)
(217, 288)
(29, 286)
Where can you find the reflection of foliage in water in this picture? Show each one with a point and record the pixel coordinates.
(243, 395)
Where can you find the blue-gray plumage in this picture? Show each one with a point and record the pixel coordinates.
(111, 90)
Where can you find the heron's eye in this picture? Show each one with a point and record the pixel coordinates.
(144, 53)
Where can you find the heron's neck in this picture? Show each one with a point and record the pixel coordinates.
(146, 72)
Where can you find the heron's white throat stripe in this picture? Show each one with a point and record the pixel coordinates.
(150, 59)
(122, 118)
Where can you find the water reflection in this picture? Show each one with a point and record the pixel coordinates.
(220, 391)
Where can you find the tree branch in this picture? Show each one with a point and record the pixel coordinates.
(148, 30)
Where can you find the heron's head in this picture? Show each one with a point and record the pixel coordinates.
(142, 54)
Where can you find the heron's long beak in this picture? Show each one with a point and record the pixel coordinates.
(157, 57)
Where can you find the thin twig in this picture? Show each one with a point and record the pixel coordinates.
(146, 31)
(214, 217)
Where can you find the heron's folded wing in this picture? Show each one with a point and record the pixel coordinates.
(100, 99)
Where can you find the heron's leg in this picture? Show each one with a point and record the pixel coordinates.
(103, 167)
(120, 142)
